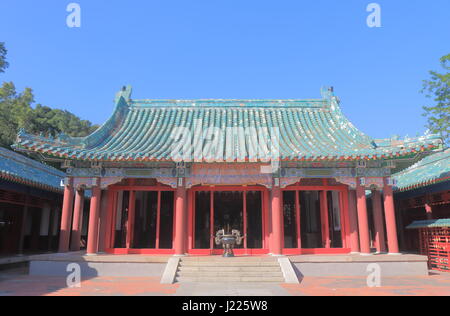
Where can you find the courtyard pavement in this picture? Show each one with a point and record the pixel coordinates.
(17, 282)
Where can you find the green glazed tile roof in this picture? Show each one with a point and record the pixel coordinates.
(143, 130)
(20, 169)
(432, 169)
(430, 223)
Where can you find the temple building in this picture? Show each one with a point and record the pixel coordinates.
(422, 192)
(30, 205)
(290, 175)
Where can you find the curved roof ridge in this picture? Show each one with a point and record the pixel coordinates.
(431, 169)
(433, 158)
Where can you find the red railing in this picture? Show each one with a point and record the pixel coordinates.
(435, 243)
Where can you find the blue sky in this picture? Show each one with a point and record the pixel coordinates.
(230, 49)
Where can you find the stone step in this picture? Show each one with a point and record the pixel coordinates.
(260, 270)
(220, 258)
(189, 273)
(237, 269)
(220, 279)
(229, 264)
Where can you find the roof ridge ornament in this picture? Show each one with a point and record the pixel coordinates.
(327, 92)
(125, 93)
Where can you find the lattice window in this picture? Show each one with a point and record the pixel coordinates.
(435, 243)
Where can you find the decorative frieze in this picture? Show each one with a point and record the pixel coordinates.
(170, 181)
(86, 183)
(123, 172)
(374, 183)
(285, 182)
(228, 174)
(350, 181)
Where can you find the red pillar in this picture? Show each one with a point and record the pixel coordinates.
(180, 219)
(391, 226)
(378, 221)
(110, 222)
(92, 243)
(429, 210)
(277, 220)
(66, 217)
(353, 219)
(267, 225)
(324, 219)
(363, 221)
(346, 219)
(77, 220)
(130, 220)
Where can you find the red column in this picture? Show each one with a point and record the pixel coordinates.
(429, 210)
(267, 225)
(363, 221)
(277, 220)
(391, 226)
(102, 230)
(77, 220)
(343, 205)
(353, 219)
(92, 243)
(180, 219)
(66, 217)
(326, 241)
(298, 220)
(158, 220)
(131, 218)
(110, 222)
(378, 221)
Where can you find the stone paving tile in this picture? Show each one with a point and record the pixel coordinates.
(437, 284)
(231, 289)
(433, 285)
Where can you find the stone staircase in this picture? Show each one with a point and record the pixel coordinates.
(237, 269)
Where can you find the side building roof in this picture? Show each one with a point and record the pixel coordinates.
(226, 131)
(20, 169)
(430, 170)
(433, 223)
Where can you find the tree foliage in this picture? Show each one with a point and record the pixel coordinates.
(3, 63)
(437, 88)
(16, 112)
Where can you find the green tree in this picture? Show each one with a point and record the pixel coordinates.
(17, 112)
(437, 88)
(3, 63)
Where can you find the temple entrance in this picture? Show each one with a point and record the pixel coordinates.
(228, 210)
